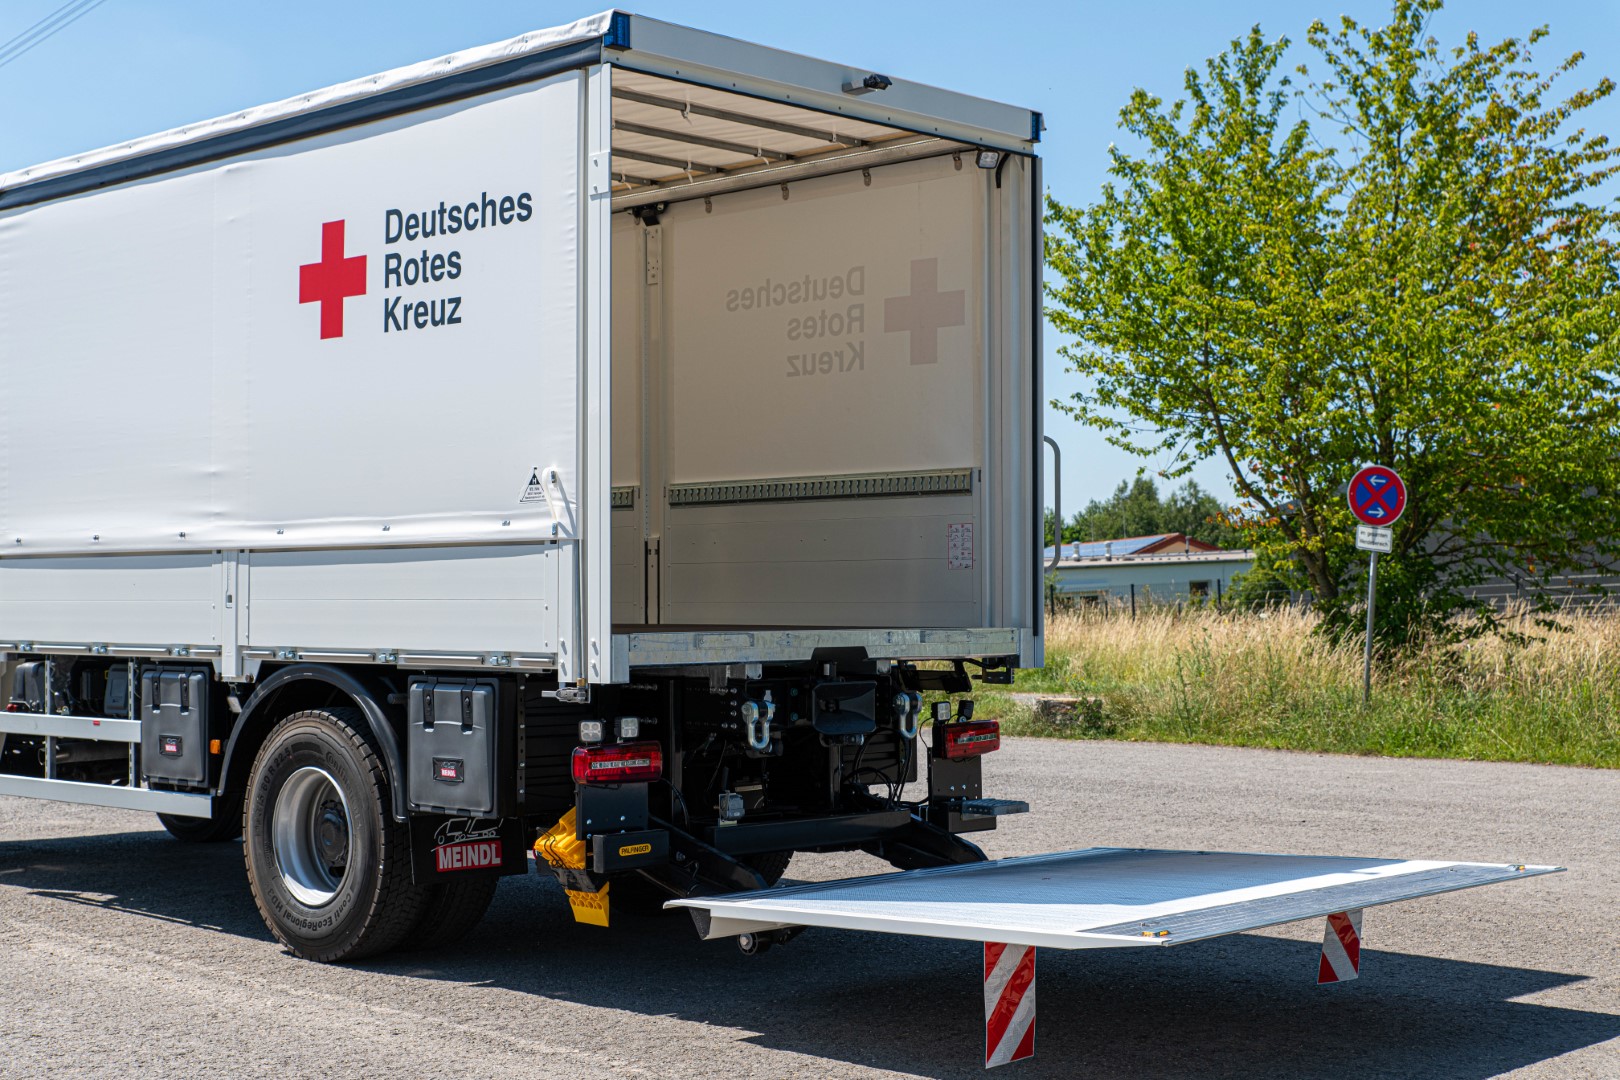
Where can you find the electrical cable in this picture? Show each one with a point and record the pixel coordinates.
(9, 42)
(46, 28)
(680, 799)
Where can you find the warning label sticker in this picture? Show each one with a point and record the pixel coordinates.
(959, 545)
(535, 491)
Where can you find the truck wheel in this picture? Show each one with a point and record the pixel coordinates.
(329, 867)
(226, 823)
(452, 909)
(771, 865)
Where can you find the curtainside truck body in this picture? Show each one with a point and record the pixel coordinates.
(614, 444)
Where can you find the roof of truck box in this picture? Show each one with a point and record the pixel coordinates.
(764, 90)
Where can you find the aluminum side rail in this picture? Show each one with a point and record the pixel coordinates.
(1098, 898)
(177, 803)
(655, 647)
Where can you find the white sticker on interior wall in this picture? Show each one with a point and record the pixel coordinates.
(959, 545)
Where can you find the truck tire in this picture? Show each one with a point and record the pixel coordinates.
(452, 909)
(225, 824)
(329, 867)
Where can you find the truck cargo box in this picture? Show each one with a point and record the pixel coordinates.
(609, 346)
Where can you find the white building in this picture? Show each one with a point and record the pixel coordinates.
(1146, 570)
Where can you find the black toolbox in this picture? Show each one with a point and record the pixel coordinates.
(461, 747)
(174, 713)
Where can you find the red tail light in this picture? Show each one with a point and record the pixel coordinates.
(969, 739)
(626, 763)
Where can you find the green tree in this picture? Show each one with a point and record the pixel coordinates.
(1136, 509)
(1265, 584)
(1403, 263)
(1192, 510)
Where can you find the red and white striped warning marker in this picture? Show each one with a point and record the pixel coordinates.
(1009, 1003)
(1341, 948)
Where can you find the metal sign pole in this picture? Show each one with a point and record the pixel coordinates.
(1366, 667)
(1377, 498)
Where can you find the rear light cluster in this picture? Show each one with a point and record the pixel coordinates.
(623, 763)
(969, 738)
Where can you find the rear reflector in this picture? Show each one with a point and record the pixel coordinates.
(625, 763)
(969, 739)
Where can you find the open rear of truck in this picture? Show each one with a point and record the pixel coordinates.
(824, 462)
(825, 394)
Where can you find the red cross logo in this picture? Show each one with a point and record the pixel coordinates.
(327, 282)
(925, 312)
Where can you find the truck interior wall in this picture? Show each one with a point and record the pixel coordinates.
(844, 331)
(628, 550)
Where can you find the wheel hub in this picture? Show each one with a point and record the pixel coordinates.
(332, 834)
(311, 835)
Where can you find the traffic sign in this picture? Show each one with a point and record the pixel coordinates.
(1376, 496)
(1374, 538)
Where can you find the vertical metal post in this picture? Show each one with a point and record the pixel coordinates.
(1133, 599)
(45, 703)
(1366, 666)
(131, 714)
(1217, 595)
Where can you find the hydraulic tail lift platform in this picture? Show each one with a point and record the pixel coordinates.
(1098, 898)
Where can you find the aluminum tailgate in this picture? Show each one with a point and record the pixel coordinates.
(1097, 898)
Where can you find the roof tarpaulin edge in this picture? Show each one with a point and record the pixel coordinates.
(20, 185)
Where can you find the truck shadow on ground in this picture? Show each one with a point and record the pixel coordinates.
(140, 873)
(1242, 1006)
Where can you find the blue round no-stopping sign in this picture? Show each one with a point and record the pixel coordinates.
(1377, 495)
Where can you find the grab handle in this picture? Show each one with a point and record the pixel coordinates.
(1057, 503)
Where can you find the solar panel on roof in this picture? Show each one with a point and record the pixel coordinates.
(1097, 549)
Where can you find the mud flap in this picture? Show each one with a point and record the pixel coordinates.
(443, 847)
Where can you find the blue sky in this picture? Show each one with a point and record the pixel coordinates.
(131, 67)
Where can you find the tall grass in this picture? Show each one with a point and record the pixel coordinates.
(1268, 679)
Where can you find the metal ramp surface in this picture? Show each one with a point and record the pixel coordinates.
(1097, 898)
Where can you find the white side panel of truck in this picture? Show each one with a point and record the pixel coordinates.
(371, 336)
(110, 598)
(487, 598)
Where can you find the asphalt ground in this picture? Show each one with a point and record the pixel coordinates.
(124, 953)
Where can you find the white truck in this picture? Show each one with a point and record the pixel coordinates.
(597, 443)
